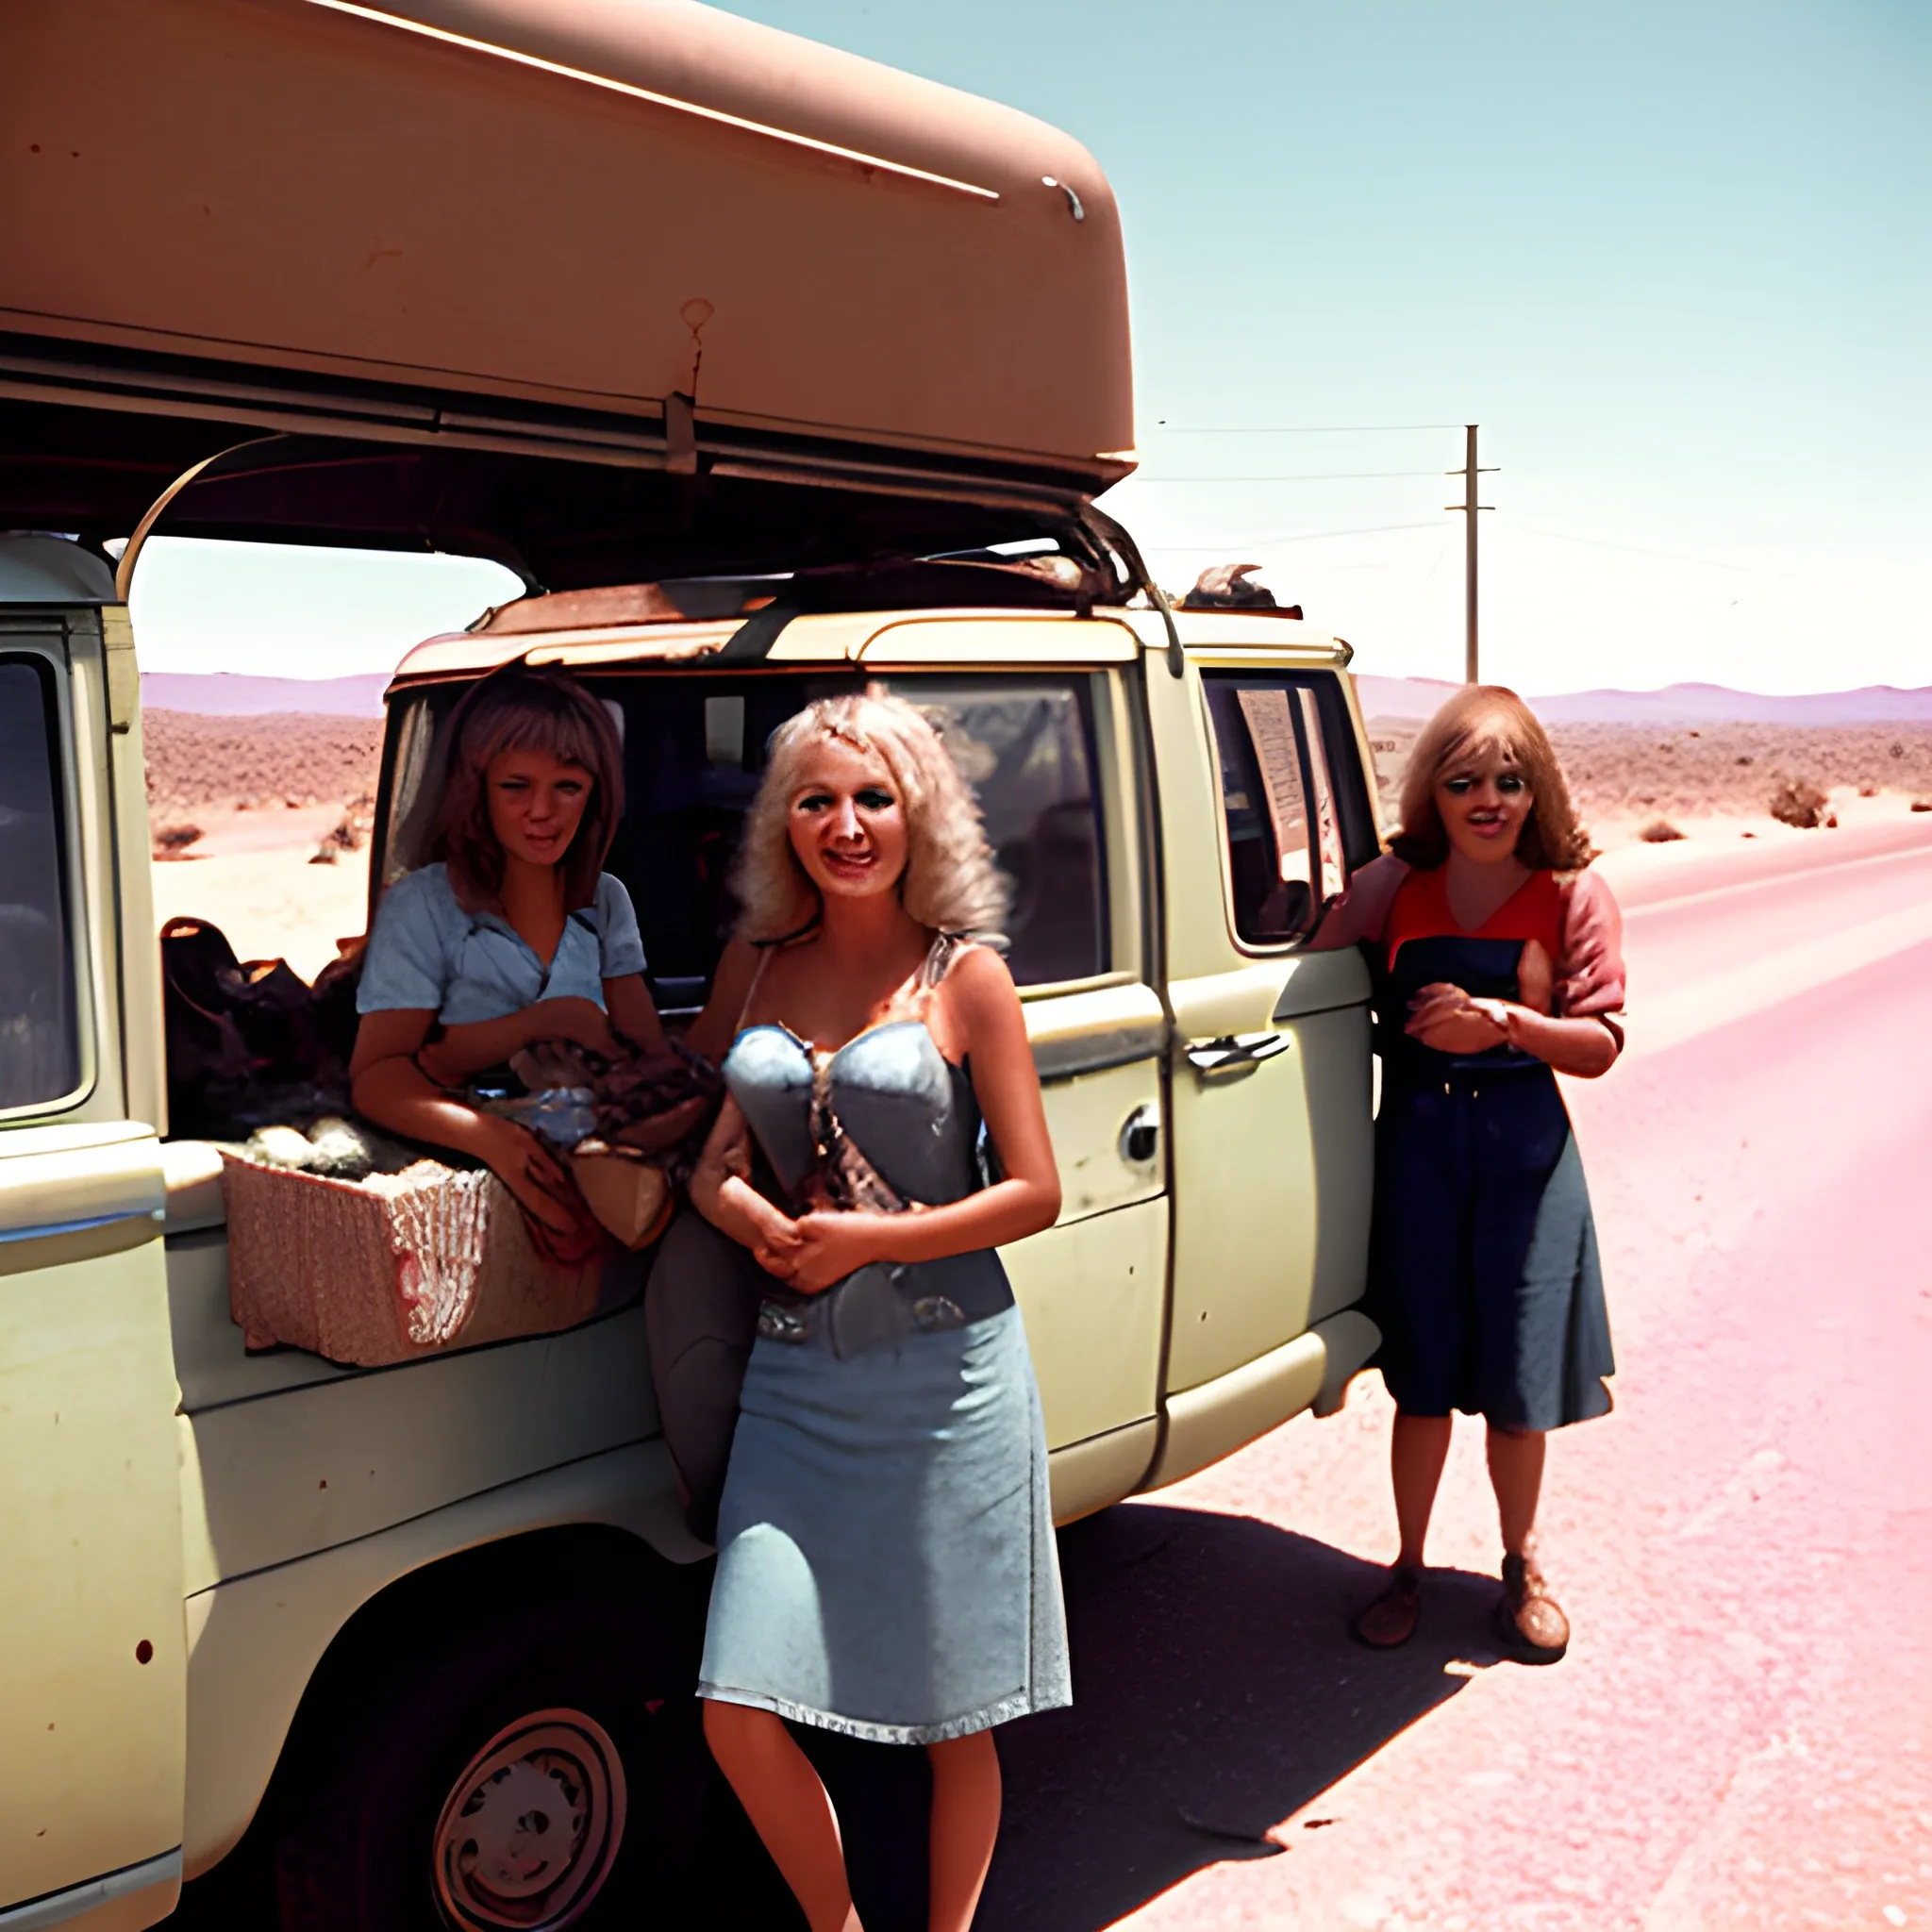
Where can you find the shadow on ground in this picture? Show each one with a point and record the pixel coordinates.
(1217, 1691)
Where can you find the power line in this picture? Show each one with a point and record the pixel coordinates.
(1300, 477)
(1303, 428)
(1762, 570)
(1294, 537)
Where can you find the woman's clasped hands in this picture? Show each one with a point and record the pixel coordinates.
(1448, 1020)
(816, 1250)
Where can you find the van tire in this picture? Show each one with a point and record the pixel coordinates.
(597, 1685)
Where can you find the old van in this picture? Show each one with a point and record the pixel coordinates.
(769, 372)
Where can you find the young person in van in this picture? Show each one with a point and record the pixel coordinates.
(509, 934)
(1497, 962)
(886, 1565)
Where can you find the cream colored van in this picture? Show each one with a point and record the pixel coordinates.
(772, 372)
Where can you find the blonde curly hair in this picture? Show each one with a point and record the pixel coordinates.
(950, 883)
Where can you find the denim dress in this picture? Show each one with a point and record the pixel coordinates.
(1484, 1275)
(886, 1556)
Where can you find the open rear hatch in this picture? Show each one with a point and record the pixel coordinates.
(620, 291)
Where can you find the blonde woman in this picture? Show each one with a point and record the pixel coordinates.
(886, 1562)
(1498, 965)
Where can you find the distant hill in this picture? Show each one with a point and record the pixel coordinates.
(235, 695)
(1712, 704)
(1677, 703)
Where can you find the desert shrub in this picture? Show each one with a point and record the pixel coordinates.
(1795, 802)
(170, 841)
(1659, 832)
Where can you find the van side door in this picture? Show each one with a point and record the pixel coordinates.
(1263, 811)
(92, 1684)
(1050, 747)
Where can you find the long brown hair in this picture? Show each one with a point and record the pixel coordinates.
(1489, 717)
(524, 707)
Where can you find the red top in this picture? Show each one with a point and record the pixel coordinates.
(1573, 916)
(1420, 911)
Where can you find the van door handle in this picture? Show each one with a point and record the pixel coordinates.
(1139, 1142)
(1234, 1050)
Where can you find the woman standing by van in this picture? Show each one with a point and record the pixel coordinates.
(886, 1562)
(1498, 965)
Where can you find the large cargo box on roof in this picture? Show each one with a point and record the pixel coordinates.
(610, 204)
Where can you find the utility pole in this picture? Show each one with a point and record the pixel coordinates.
(1469, 507)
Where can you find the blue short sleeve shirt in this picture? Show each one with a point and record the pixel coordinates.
(429, 951)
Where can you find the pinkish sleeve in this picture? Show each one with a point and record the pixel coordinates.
(1590, 976)
(1362, 911)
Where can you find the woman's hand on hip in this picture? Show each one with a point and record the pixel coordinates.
(1447, 1020)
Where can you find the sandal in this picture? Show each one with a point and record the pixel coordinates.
(1391, 1619)
(1528, 1619)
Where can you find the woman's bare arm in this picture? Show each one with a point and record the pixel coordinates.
(388, 1087)
(984, 1012)
(633, 1012)
(468, 1048)
(712, 1032)
(1449, 1020)
(1362, 911)
(721, 1192)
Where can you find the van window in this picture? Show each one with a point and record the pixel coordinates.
(1026, 747)
(1283, 822)
(40, 1039)
(693, 753)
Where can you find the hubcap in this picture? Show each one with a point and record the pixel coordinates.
(530, 1829)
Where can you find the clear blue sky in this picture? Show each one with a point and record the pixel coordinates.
(1676, 260)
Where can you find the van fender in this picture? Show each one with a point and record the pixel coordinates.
(255, 1642)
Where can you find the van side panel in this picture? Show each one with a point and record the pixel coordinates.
(255, 1642)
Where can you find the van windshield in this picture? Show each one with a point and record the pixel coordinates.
(693, 753)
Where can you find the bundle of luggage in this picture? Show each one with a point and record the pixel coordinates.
(368, 1249)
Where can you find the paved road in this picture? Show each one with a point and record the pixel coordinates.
(1742, 1734)
(1743, 1731)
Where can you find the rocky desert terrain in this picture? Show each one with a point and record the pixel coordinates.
(1627, 779)
(281, 761)
(265, 822)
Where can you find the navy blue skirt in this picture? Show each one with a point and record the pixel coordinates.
(1483, 1268)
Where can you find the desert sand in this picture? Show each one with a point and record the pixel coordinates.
(251, 875)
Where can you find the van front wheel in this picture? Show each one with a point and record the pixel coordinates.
(526, 1776)
(532, 1825)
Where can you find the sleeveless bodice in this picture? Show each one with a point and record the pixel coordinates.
(889, 1094)
(885, 1124)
